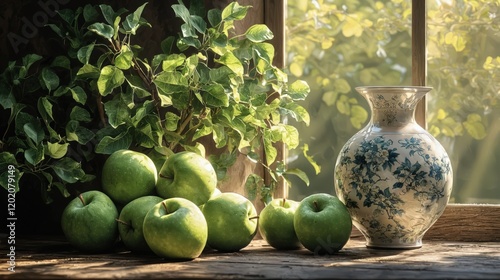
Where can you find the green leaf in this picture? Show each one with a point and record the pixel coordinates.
(171, 62)
(84, 53)
(45, 108)
(171, 121)
(34, 155)
(170, 82)
(182, 12)
(102, 29)
(232, 62)
(34, 131)
(456, 39)
(165, 100)
(330, 97)
(290, 136)
(117, 111)
(109, 144)
(137, 86)
(50, 79)
(167, 44)
(49, 179)
(56, 150)
(305, 149)
(116, 27)
(29, 59)
(67, 15)
(214, 17)
(298, 90)
(475, 127)
(264, 56)
(297, 112)
(133, 21)
(56, 29)
(110, 78)
(252, 184)
(78, 95)
(88, 71)
(7, 98)
(90, 14)
(198, 23)
(61, 61)
(202, 131)
(234, 11)
(60, 91)
(6, 159)
(299, 173)
(68, 170)
(75, 132)
(341, 85)
(358, 116)
(186, 42)
(269, 150)
(80, 114)
(343, 105)
(215, 95)
(220, 74)
(124, 60)
(259, 33)
(351, 27)
(192, 23)
(109, 14)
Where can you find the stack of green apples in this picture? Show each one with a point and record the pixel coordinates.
(175, 212)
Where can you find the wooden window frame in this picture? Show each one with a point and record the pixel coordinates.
(459, 222)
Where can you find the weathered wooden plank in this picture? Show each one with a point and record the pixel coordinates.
(43, 259)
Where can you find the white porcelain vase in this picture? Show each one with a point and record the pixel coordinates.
(394, 177)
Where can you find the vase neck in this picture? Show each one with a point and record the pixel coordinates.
(393, 106)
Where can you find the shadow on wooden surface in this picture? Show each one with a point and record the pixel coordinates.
(38, 258)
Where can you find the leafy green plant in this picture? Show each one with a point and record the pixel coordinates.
(206, 87)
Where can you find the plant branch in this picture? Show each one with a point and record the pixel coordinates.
(100, 109)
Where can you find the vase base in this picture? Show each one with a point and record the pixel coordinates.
(395, 246)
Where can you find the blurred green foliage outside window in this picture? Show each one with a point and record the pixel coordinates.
(336, 45)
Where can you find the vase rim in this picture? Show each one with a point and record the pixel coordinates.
(413, 88)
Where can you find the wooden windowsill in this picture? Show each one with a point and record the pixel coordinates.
(467, 222)
(39, 258)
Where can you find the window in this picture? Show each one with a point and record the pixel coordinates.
(336, 45)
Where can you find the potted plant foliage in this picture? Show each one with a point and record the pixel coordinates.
(61, 115)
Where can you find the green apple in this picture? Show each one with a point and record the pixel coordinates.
(131, 220)
(232, 221)
(322, 223)
(175, 229)
(89, 222)
(187, 175)
(276, 224)
(214, 194)
(127, 175)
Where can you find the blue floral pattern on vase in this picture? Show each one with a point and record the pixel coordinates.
(394, 179)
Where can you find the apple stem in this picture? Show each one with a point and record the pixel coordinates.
(81, 199)
(284, 200)
(164, 206)
(254, 217)
(122, 222)
(316, 205)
